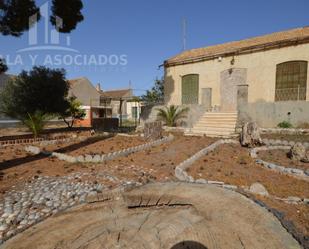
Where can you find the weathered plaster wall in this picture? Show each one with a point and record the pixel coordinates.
(261, 74)
(269, 114)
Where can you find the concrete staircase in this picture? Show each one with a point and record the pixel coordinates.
(215, 124)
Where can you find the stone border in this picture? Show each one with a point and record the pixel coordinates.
(34, 141)
(289, 131)
(99, 158)
(289, 171)
(182, 175)
(267, 141)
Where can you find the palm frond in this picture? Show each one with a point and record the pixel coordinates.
(170, 115)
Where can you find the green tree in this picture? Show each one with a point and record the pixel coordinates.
(73, 112)
(3, 66)
(40, 92)
(70, 13)
(156, 94)
(15, 14)
(172, 114)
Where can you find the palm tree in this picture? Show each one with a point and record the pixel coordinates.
(170, 115)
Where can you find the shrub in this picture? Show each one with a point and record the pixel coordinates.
(170, 115)
(35, 122)
(285, 124)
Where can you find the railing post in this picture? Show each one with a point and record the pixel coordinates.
(298, 92)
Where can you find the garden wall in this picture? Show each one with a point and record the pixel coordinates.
(269, 114)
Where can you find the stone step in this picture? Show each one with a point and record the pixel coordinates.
(218, 118)
(220, 115)
(209, 133)
(228, 135)
(225, 130)
(216, 124)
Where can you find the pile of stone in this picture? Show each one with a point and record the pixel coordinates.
(39, 199)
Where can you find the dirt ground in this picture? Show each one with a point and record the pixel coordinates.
(155, 164)
(229, 163)
(280, 157)
(232, 164)
(297, 214)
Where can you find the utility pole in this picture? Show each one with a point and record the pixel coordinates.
(184, 34)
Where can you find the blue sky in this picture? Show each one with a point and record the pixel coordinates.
(148, 32)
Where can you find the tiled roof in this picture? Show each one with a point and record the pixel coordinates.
(251, 44)
(117, 93)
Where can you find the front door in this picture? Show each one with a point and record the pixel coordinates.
(190, 89)
(206, 98)
(229, 81)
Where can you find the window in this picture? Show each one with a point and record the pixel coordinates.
(291, 81)
(190, 89)
(134, 112)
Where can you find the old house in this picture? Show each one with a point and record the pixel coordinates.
(116, 101)
(89, 97)
(263, 79)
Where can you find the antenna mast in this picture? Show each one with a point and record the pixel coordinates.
(184, 34)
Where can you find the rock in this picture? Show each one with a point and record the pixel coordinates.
(33, 150)
(258, 188)
(80, 159)
(297, 152)
(96, 159)
(88, 159)
(3, 227)
(293, 199)
(250, 135)
(306, 158)
(201, 181)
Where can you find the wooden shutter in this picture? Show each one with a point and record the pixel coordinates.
(190, 89)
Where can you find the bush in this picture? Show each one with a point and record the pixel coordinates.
(285, 124)
(172, 114)
(35, 122)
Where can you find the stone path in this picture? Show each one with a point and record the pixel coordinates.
(160, 216)
(40, 198)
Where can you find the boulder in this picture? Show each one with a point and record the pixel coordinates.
(306, 158)
(33, 150)
(297, 152)
(258, 188)
(250, 135)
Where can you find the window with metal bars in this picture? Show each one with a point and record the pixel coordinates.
(291, 81)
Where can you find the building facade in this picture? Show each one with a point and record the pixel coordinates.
(265, 78)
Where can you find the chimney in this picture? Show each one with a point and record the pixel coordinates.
(98, 87)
